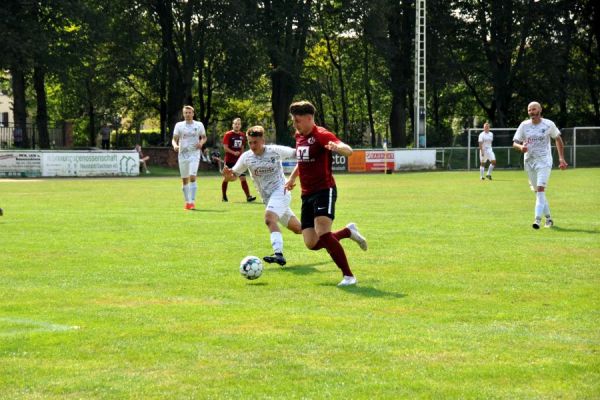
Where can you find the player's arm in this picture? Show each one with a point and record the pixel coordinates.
(519, 142)
(560, 147)
(203, 140)
(231, 174)
(175, 142)
(228, 150)
(291, 181)
(339, 147)
(228, 174)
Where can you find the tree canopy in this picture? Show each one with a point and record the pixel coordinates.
(93, 61)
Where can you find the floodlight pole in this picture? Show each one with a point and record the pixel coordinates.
(420, 103)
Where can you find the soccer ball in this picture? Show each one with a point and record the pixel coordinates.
(251, 267)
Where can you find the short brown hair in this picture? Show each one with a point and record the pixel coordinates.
(256, 131)
(189, 108)
(302, 108)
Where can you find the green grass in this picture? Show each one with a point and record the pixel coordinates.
(108, 289)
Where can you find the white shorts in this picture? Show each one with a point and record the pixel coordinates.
(538, 176)
(279, 203)
(488, 155)
(188, 164)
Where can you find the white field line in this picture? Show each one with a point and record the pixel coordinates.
(31, 326)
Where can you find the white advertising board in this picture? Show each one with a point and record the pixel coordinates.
(69, 163)
(414, 159)
(20, 164)
(94, 163)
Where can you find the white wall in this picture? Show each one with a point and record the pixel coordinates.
(5, 107)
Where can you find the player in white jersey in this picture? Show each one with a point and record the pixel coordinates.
(188, 138)
(264, 163)
(533, 139)
(485, 151)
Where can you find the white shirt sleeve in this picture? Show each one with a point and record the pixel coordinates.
(284, 151)
(481, 137)
(241, 165)
(176, 129)
(553, 130)
(202, 130)
(520, 133)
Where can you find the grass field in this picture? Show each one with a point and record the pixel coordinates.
(108, 289)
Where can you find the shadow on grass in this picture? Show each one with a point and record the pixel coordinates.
(261, 283)
(560, 229)
(207, 210)
(303, 269)
(367, 291)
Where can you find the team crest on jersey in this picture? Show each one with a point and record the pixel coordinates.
(311, 140)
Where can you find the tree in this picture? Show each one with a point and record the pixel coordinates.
(285, 26)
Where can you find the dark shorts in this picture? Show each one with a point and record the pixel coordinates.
(231, 164)
(319, 204)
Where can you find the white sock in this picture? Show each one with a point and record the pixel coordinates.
(490, 169)
(193, 188)
(277, 242)
(186, 192)
(540, 203)
(481, 171)
(547, 210)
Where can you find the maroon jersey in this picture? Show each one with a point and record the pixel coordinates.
(314, 160)
(236, 142)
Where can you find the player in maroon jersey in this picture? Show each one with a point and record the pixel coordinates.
(234, 143)
(314, 145)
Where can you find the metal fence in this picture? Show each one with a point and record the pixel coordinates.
(12, 137)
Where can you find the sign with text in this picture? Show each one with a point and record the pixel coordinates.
(339, 162)
(90, 164)
(20, 164)
(376, 160)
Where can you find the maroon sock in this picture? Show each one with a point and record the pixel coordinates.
(224, 188)
(335, 250)
(245, 187)
(342, 234)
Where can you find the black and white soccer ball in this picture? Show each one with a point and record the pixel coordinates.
(251, 267)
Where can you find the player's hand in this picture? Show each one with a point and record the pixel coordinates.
(524, 149)
(290, 184)
(562, 164)
(331, 146)
(176, 148)
(227, 173)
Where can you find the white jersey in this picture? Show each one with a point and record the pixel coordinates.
(189, 136)
(537, 137)
(486, 140)
(266, 169)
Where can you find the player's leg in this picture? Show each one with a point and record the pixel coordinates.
(246, 189)
(323, 210)
(224, 185)
(481, 167)
(278, 211)
(193, 187)
(492, 159)
(271, 220)
(184, 171)
(540, 195)
(543, 176)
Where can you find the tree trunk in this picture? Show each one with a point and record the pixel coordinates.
(19, 103)
(398, 119)
(92, 127)
(283, 91)
(39, 77)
